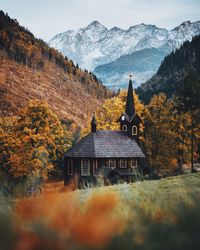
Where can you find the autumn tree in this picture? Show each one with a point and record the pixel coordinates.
(164, 131)
(112, 109)
(160, 135)
(41, 141)
(8, 142)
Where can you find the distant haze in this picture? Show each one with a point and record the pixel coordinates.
(45, 18)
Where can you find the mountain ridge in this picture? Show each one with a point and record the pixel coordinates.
(173, 70)
(96, 45)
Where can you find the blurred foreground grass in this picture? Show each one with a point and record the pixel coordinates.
(161, 214)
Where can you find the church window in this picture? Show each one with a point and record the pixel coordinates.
(134, 163)
(70, 167)
(85, 167)
(123, 163)
(94, 167)
(134, 130)
(112, 163)
(124, 128)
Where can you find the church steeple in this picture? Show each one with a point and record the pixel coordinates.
(129, 120)
(130, 106)
(93, 124)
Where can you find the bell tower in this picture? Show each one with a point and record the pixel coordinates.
(129, 120)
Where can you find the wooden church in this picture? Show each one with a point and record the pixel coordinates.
(113, 155)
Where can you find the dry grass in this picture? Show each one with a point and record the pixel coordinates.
(67, 97)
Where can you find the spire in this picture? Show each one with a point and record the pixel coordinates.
(130, 106)
(93, 123)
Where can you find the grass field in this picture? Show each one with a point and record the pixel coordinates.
(161, 214)
(164, 193)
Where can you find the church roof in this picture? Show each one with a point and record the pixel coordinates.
(106, 144)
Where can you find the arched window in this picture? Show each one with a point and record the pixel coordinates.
(134, 163)
(134, 130)
(124, 128)
(85, 167)
(123, 163)
(112, 163)
(95, 167)
(70, 167)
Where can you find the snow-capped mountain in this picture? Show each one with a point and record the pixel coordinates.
(96, 45)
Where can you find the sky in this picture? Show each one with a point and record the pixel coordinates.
(46, 18)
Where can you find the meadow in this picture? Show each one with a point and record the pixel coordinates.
(157, 214)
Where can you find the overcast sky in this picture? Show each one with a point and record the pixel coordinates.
(45, 18)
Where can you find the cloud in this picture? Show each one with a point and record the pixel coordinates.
(47, 17)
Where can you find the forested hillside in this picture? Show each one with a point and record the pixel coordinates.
(30, 69)
(143, 63)
(173, 71)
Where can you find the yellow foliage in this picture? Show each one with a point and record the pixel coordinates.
(111, 111)
(165, 137)
(35, 143)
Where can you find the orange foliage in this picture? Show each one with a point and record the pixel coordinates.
(97, 226)
(92, 223)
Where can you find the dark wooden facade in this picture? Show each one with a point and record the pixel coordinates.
(112, 170)
(111, 155)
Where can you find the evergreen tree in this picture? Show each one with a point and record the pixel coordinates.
(189, 101)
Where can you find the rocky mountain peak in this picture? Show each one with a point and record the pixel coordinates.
(184, 25)
(95, 45)
(115, 29)
(95, 25)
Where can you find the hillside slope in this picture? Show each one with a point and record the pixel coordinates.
(173, 71)
(29, 69)
(143, 63)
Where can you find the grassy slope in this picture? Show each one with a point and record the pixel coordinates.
(162, 214)
(165, 193)
(143, 215)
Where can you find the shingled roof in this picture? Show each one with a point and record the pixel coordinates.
(106, 144)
